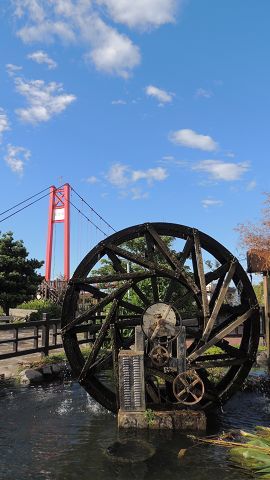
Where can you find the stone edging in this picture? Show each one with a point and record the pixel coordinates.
(42, 374)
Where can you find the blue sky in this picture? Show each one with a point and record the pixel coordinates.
(154, 110)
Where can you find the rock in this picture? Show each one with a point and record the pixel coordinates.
(46, 370)
(56, 369)
(262, 359)
(130, 451)
(30, 376)
(183, 420)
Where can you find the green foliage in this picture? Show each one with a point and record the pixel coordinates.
(251, 450)
(42, 306)
(18, 278)
(214, 350)
(258, 289)
(138, 247)
(149, 416)
(53, 358)
(255, 453)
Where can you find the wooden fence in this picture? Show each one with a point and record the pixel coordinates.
(32, 337)
(45, 335)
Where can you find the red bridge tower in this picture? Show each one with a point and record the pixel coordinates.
(59, 212)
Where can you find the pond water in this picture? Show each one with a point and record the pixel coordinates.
(57, 432)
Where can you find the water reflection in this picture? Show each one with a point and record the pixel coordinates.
(57, 432)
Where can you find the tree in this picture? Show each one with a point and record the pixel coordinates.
(18, 278)
(137, 246)
(257, 235)
(259, 292)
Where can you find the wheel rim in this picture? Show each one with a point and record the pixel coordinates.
(160, 269)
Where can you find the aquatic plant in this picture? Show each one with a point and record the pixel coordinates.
(252, 451)
(149, 416)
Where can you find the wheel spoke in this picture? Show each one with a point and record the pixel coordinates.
(185, 383)
(82, 285)
(183, 256)
(230, 350)
(204, 362)
(223, 333)
(150, 254)
(87, 315)
(102, 363)
(181, 393)
(216, 292)
(164, 250)
(138, 260)
(151, 390)
(170, 289)
(194, 396)
(216, 274)
(130, 306)
(200, 269)
(141, 295)
(194, 383)
(118, 267)
(172, 260)
(219, 302)
(99, 340)
(180, 301)
(116, 277)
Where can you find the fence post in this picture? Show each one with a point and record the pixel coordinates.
(266, 292)
(15, 336)
(45, 335)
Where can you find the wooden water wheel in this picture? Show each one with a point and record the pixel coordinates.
(178, 276)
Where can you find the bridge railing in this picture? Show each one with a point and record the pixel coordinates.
(45, 335)
(32, 337)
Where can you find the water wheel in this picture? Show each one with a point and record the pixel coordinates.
(179, 276)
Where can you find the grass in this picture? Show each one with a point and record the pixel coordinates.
(59, 357)
(53, 358)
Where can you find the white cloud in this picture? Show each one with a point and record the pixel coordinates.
(152, 174)
(201, 92)
(141, 13)
(34, 8)
(161, 95)
(12, 69)
(169, 158)
(251, 185)
(92, 179)
(191, 139)
(4, 123)
(123, 177)
(16, 158)
(86, 22)
(119, 102)
(220, 170)
(42, 57)
(44, 100)
(47, 32)
(118, 175)
(111, 51)
(138, 194)
(210, 202)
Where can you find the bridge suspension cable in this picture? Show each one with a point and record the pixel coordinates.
(93, 210)
(25, 206)
(88, 219)
(24, 201)
(48, 193)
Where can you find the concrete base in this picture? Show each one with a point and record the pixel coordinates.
(185, 420)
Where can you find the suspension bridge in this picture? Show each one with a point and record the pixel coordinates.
(61, 200)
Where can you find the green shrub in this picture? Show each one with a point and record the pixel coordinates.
(42, 306)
